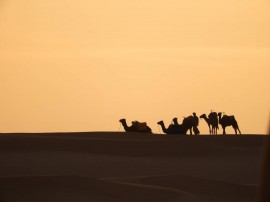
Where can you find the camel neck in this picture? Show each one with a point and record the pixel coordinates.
(207, 120)
(219, 118)
(124, 123)
(163, 127)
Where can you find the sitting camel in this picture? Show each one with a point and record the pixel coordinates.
(171, 130)
(136, 126)
(212, 122)
(188, 124)
(225, 121)
(176, 128)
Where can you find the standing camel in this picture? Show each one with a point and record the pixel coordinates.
(203, 116)
(225, 121)
(212, 122)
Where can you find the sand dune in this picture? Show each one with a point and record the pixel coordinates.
(112, 166)
(199, 187)
(73, 188)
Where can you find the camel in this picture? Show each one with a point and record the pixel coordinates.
(212, 122)
(225, 121)
(176, 128)
(179, 128)
(188, 124)
(203, 116)
(136, 127)
(171, 130)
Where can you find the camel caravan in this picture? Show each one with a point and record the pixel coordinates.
(189, 124)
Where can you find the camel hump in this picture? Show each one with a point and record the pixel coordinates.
(229, 118)
(189, 118)
(213, 115)
(141, 126)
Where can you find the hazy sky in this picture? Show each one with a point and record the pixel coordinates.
(82, 65)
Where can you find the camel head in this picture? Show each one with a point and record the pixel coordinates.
(203, 116)
(219, 114)
(160, 122)
(122, 120)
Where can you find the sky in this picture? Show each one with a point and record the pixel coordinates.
(83, 65)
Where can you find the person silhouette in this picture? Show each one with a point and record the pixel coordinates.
(196, 124)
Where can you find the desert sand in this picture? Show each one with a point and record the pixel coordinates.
(118, 166)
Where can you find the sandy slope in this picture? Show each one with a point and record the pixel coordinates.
(111, 166)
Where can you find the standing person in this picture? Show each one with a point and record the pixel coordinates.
(196, 124)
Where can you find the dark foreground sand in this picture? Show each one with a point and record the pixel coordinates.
(120, 167)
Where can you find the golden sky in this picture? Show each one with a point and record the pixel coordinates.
(83, 65)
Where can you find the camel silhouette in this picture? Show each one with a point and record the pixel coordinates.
(179, 127)
(136, 127)
(171, 130)
(212, 122)
(188, 124)
(225, 121)
(176, 128)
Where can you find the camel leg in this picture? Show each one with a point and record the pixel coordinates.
(235, 129)
(224, 132)
(239, 130)
(196, 130)
(190, 130)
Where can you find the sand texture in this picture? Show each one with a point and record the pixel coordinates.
(120, 167)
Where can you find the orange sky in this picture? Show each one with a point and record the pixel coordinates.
(83, 65)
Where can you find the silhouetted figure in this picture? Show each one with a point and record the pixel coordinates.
(225, 121)
(136, 126)
(212, 122)
(203, 116)
(189, 123)
(176, 128)
(171, 130)
(196, 124)
(213, 119)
